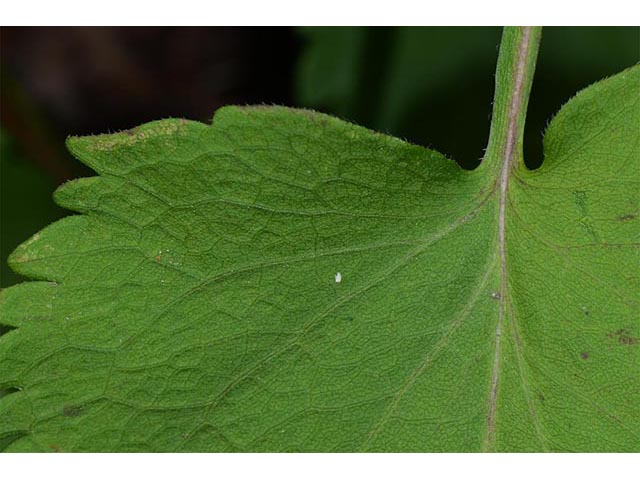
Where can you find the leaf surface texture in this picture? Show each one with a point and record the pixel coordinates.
(281, 280)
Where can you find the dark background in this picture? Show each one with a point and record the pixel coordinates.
(432, 86)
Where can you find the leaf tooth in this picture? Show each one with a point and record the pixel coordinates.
(116, 153)
(40, 256)
(80, 195)
(15, 417)
(37, 295)
(52, 253)
(225, 118)
(11, 363)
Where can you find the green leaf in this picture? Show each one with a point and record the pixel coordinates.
(282, 280)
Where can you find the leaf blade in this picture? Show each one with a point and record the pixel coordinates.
(250, 344)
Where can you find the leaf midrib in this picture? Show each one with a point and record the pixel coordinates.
(512, 147)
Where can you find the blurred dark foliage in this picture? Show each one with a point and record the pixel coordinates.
(62, 81)
(432, 86)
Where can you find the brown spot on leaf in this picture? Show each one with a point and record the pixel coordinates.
(628, 340)
(584, 355)
(56, 448)
(71, 410)
(623, 337)
(627, 217)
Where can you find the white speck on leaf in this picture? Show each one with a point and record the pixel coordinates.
(338, 277)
